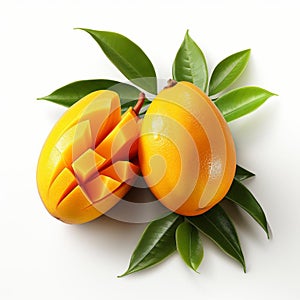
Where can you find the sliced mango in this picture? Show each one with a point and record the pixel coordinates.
(99, 187)
(118, 143)
(87, 164)
(75, 208)
(121, 171)
(48, 158)
(112, 199)
(103, 115)
(51, 168)
(63, 184)
(83, 169)
(75, 141)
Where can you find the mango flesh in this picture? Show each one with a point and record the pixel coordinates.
(85, 165)
(186, 151)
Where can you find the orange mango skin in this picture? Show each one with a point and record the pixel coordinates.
(84, 168)
(186, 151)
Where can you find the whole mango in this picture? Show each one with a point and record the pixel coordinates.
(186, 151)
(89, 158)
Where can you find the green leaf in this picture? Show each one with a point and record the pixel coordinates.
(241, 101)
(216, 225)
(156, 243)
(241, 196)
(189, 245)
(128, 57)
(190, 64)
(242, 174)
(228, 71)
(71, 93)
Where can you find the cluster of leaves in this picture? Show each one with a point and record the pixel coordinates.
(174, 232)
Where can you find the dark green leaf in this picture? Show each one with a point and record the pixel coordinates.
(71, 93)
(241, 196)
(156, 243)
(189, 245)
(218, 227)
(128, 57)
(242, 174)
(228, 71)
(190, 64)
(241, 101)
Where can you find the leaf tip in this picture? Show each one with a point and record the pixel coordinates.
(248, 53)
(242, 261)
(194, 268)
(83, 29)
(271, 94)
(268, 231)
(127, 272)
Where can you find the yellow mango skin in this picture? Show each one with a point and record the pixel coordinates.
(186, 151)
(69, 164)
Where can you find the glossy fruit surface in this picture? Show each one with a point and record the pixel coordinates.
(86, 164)
(186, 151)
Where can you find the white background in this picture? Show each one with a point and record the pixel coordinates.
(42, 258)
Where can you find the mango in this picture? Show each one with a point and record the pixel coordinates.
(186, 150)
(88, 161)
